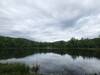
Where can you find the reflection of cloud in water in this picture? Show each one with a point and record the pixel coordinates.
(51, 63)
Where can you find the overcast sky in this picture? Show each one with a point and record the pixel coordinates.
(50, 20)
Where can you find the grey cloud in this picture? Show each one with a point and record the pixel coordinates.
(49, 19)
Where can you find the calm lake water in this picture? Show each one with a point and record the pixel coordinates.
(52, 63)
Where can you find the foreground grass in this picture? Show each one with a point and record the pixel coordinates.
(15, 69)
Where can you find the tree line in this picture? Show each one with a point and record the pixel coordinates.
(16, 47)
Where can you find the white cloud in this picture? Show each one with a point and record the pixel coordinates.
(50, 19)
(89, 26)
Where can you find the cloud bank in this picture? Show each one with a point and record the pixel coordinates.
(50, 20)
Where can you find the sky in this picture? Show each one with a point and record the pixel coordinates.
(50, 20)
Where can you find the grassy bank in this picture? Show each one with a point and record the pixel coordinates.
(15, 69)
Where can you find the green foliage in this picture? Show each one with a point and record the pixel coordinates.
(84, 43)
(6, 68)
(18, 47)
(14, 69)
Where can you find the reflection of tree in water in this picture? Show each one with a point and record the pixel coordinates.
(35, 69)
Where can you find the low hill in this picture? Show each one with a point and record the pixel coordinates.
(19, 47)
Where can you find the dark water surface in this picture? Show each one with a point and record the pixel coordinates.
(52, 63)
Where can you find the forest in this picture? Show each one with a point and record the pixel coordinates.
(20, 47)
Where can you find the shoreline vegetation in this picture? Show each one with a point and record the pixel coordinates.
(19, 47)
(16, 69)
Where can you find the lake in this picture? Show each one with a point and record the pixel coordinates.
(57, 64)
